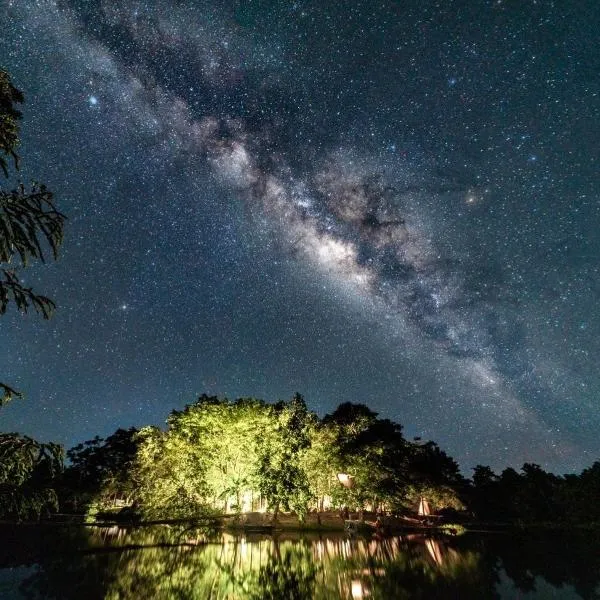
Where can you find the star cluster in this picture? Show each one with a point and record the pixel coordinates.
(392, 203)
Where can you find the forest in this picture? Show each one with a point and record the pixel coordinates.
(221, 457)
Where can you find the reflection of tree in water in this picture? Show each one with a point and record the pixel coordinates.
(63, 570)
(289, 573)
(185, 562)
(413, 567)
(561, 558)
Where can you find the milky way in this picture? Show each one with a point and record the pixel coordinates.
(335, 184)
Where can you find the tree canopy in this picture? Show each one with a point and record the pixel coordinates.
(533, 495)
(247, 455)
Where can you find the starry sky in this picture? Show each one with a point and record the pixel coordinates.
(392, 202)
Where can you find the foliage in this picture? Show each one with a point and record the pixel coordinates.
(535, 496)
(439, 497)
(28, 218)
(10, 96)
(371, 450)
(7, 394)
(100, 469)
(246, 455)
(30, 225)
(224, 455)
(435, 476)
(226, 437)
(28, 470)
(386, 469)
(169, 476)
(429, 465)
(280, 477)
(320, 463)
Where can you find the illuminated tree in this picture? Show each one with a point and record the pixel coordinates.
(281, 478)
(229, 434)
(434, 475)
(321, 463)
(169, 476)
(238, 456)
(228, 456)
(207, 459)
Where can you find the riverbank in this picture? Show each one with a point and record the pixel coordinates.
(327, 521)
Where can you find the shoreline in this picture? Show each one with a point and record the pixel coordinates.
(220, 523)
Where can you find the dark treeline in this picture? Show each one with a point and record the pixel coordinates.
(533, 495)
(228, 457)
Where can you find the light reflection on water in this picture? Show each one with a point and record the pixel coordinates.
(182, 561)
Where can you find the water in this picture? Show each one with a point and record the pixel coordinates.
(184, 561)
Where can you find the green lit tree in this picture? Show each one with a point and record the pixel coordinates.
(169, 476)
(226, 456)
(281, 478)
(207, 459)
(321, 463)
(236, 456)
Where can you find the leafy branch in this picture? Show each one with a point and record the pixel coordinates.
(30, 225)
(12, 288)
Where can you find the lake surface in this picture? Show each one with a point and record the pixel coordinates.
(183, 561)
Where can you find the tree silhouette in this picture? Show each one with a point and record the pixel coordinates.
(101, 465)
(30, 226)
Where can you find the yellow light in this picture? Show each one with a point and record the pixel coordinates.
(346, 480)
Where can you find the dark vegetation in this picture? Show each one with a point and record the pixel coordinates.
(29, 473)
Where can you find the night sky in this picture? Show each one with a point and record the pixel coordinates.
(386, 202)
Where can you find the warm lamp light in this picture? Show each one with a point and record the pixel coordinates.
(346, 480)
(357, 589)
